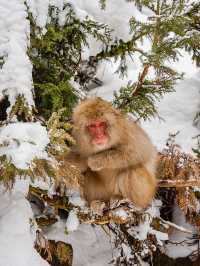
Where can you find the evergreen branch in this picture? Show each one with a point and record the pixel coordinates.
(119, 49)
(56, 58)
(136, 87)
(168, 30)
(22, 110)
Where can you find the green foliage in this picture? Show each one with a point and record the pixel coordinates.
(193, 45)
(56, 58)
(139, 98)
(8, 172)
(21, 110)
(197, 119)
(57, 61)
(197, 149)
(59, 134)
(39, 168)
(120, 49)
(50, 97)
(55, 167)
(103, 4)
(1, 61)
(141, 102)
(173, 25)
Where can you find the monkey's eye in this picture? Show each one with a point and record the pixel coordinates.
(91, 126)
(103, 124)
(97, 125)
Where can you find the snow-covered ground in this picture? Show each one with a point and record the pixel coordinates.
(92, 246)
(17, 240)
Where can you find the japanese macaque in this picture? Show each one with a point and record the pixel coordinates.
(114, 154)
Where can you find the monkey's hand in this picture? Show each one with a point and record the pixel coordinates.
(97, 206)
(76, 160)
(95, 163)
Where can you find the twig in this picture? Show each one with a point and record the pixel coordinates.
(179, 183)
(137, 87)
(180, 228)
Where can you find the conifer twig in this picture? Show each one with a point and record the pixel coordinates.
(138, 85)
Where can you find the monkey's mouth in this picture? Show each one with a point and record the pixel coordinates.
(100, 140)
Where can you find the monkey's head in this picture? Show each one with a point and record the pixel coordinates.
(96, 125)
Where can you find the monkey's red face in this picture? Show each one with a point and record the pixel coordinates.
(97, 130)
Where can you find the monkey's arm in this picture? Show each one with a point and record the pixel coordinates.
(121, 157)
(138, 185)
(75, 159)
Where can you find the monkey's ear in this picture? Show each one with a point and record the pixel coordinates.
(99, 99)
(117, 112)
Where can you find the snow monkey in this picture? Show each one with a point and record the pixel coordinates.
(115, 155)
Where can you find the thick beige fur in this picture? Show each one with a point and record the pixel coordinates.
(124, 167)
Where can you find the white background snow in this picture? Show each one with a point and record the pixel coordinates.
(91, 245)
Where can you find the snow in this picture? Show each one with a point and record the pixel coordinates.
(16, 72)
(22, 142)
(178, 236)
(178, 110)
(143, 229)
(17, 239)
(75, 198)
(91, 246)
(160, 237)
(72, 222)
(117, 18)
(39, 10)
(25, 141)
(127, 251)
(120, 212)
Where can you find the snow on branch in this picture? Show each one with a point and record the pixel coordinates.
(15, 66)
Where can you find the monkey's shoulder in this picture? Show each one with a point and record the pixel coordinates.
(135, 129)
(138, 139)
